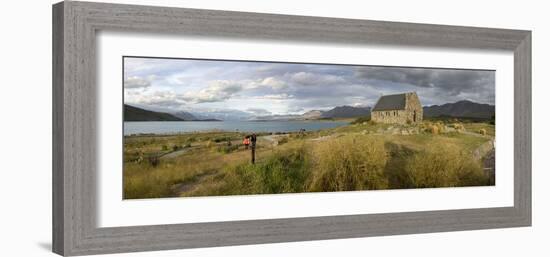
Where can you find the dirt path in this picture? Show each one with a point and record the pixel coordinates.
(181, 188)
(473, 134)
(177, 153)
(273, 139)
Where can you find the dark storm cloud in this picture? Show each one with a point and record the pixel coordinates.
(449, 81)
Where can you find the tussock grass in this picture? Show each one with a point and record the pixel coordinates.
(434, 129)
(353, 162)
(444, 165)
(483, 132)
(458, 127)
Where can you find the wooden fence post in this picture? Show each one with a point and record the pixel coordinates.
(253, 151)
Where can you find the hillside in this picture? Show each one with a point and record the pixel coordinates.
(132, 113)
(184, 115)
(346, 112)
(336, 112)
(461, 109)
(311, 115)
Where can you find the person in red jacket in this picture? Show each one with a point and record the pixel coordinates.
(246, 142)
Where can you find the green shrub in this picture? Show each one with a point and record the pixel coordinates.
(353, 162)
(361, 120)
(227, 148)
(221, 139)
(283, 172)
(154, 160)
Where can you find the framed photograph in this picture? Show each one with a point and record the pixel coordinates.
(183, 128)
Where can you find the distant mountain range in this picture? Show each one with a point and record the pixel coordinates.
(228, 114)
(132, 113)
(346, 112)
(336, 112)
(463, 109)
(184, 115)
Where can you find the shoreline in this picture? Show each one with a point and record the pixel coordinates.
(275, 130)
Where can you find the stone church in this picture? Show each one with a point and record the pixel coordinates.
(400, 108)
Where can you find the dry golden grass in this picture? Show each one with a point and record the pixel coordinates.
(483, 132)
(145, 181)
(434, 129)
(444, 165)
(353, 162)
(458, 126)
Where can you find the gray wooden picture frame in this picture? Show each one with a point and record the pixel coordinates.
(75, 25)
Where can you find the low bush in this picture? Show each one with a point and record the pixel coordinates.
(154, 160)
(227, 148)
(361, 120)
(221, 139)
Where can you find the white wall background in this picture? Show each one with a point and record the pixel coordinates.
(25, 130)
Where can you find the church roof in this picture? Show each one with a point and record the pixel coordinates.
(390, 102)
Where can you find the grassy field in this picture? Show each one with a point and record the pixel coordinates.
(359, 156)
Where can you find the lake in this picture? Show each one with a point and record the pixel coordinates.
(172, 127)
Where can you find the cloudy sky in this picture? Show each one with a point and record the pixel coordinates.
(264, 88)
